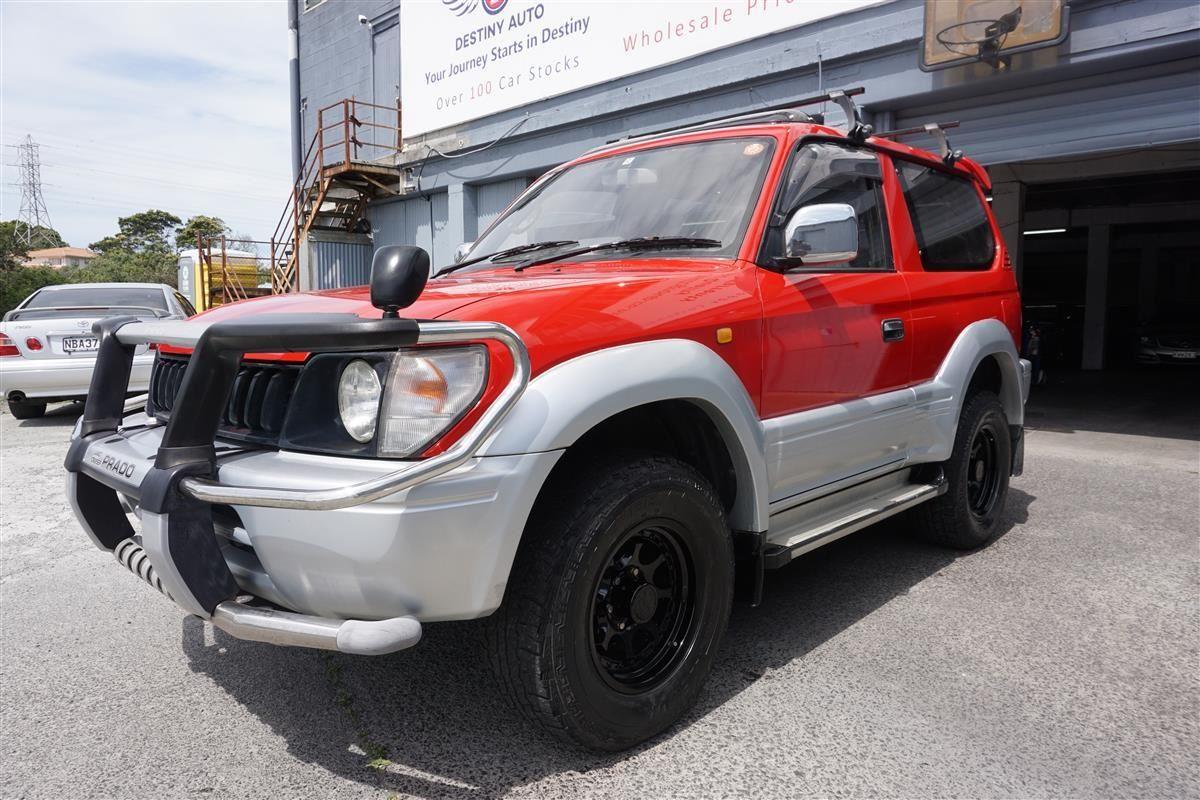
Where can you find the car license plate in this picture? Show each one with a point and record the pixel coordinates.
(1186, 354)
(76, 344)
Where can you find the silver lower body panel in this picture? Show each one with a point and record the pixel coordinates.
(441, 550)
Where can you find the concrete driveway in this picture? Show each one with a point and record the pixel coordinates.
(1060, 661)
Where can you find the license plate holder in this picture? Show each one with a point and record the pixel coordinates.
(80, 344)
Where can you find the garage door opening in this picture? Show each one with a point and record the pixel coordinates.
(1109, 260)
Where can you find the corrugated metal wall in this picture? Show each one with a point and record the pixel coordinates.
(492, 198)
(418, 221)
(333, 260)
(1071, 118)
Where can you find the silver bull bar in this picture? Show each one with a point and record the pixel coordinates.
(211, 491)
(176, 495)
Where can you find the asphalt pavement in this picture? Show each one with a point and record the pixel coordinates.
(1062, 660)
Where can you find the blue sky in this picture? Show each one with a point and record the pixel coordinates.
(181, 106)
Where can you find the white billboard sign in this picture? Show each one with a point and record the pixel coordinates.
(466, 59)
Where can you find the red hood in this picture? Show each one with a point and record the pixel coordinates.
(564, 310)
(355, 300)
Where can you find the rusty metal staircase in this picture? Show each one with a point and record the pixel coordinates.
(351, 160)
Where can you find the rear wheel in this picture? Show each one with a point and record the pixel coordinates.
(26, 409)
(968, 514)
(617, 602)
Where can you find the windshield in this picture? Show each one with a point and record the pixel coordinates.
(700, 190)
(98, 296)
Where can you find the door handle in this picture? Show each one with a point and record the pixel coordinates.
(893, 330)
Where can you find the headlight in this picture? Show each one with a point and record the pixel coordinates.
(428, 391)
(358, 400)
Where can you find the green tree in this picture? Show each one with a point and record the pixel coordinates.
(146, 231)
(122, 266)
(17, 284)
(12, 254)
(141, 250)
(199, 226)
(108, 244)
(18, 281)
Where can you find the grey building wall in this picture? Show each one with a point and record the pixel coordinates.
(1124, 78)
(420, 220)
(492, 198)
(336, 53)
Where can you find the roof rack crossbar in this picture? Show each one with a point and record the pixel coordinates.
(783, 112)
(935, 129)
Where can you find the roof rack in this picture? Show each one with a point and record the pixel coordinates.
(782, 113)
(935, 129)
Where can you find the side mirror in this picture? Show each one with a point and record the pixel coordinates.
(820, 234)
(461, 251)
(398, 276)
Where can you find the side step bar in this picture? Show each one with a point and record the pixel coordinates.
(875, 509)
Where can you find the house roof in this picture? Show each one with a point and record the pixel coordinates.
(62, 252)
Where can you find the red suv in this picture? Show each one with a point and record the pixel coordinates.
(671, 364)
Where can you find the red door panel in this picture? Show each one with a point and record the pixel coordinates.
(823, 340)
(944, 303)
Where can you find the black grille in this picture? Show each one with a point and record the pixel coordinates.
(257, 404)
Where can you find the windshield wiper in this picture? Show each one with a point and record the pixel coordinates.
(638, 243)
(512, 251)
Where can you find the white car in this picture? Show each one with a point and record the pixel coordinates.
(48, 349)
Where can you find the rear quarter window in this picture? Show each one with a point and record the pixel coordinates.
(949, 219)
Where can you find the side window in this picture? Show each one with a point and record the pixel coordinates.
(823, 173)
(948, 219)
(185, 304)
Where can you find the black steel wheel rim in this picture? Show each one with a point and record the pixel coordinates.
(643, 607)
(983, 473)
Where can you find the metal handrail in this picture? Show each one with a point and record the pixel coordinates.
(217, 262)
(210, 491)
(319, 160)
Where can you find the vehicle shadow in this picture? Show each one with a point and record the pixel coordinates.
(57, 416)
(430, 722)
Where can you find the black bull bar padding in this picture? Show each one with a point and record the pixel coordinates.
(187, 448)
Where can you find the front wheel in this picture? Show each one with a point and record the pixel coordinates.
(968, 514)
(617, 602)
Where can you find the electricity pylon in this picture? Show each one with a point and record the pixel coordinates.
(33, 222)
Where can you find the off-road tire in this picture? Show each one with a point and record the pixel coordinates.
(26, 409)
(951, 520)
(543, 641)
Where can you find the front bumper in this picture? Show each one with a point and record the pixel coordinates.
(343, 553)
(440, 550)
(62, 378)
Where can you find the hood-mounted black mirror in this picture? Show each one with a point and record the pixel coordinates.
(399, 273)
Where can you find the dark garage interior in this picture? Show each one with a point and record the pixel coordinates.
(1110, 275)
